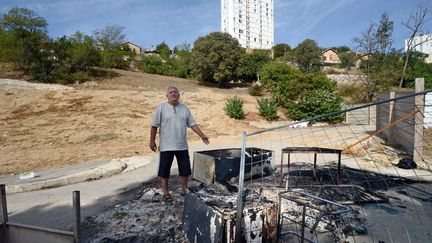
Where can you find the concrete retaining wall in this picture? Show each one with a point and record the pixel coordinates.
(364, 116)
(400, 135)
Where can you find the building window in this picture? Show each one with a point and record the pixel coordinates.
(240, 31)
(255, 39)
(240, 15)
(240, 21)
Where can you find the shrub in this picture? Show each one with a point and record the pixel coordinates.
(316, 103)
(234, 108)
(268, 109)
(352, 92)
(255, 90)
(151, 64)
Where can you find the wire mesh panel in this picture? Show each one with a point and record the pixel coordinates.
(371, 173)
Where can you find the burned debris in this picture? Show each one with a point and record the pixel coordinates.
(307, 206)
(223, 165)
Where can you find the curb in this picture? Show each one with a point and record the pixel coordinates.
(113, 167)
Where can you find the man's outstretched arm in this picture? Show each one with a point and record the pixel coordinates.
(198, 131)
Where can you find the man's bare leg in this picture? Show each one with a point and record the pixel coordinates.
(165, 189)
(185, 184)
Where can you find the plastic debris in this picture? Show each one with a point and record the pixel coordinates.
(27, 175)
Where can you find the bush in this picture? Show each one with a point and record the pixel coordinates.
(316, 103)
(151, 64)
(234, 108)
(255, 90)
(268, 109)
(353, 93)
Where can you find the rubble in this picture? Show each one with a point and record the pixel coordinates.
(208, 212)
(145, 219)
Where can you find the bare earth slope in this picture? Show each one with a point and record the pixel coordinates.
(102, 119)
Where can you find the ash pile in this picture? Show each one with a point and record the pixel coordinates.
(148, 218)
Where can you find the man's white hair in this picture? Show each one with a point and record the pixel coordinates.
(170, 88)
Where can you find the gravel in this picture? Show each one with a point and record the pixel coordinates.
(20, 84)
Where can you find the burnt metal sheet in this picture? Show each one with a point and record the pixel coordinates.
(203, 168)
(222, 165)
(200, 222)
(203, 222)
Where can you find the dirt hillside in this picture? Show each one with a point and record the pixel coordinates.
(102, 119)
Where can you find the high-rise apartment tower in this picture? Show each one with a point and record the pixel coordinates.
(423, 44)
(251, 22)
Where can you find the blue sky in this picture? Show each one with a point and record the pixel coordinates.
(149, 22)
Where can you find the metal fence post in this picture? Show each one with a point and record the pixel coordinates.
(77, 216)
(4, 214)
(419, 121)
(391, 111)
(239, 216)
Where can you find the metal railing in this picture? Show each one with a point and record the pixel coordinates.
(11, 232)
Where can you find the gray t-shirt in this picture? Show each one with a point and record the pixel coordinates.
(173, 123)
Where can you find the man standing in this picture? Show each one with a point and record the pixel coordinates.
(173, 118)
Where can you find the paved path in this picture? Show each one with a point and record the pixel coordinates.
(53, 207)
(102, 185)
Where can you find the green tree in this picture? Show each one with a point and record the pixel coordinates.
(279, 50)
(182, 48)
(23, 22)
(419, 68)
(215, 58)
(347, 59)
(251, 64)
(81, 52)
(415, 24)
(384, 34)
(308, 55)
(114, 52)
(109, 37)
(381, 67)
(342, 49)
(24, 34)
(182, 59)
(163, 50)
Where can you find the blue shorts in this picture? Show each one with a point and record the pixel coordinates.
(166, 159)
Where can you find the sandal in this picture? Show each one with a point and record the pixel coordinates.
(183, 193)
(167, 198)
